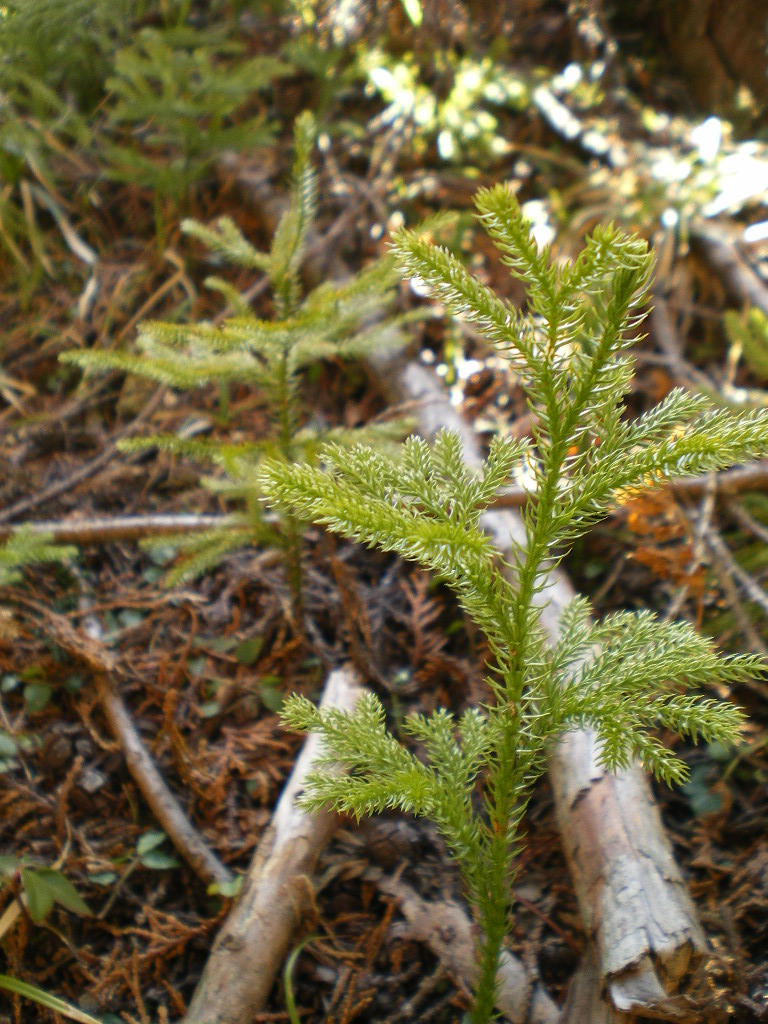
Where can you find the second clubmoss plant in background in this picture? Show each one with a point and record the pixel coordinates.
(626, 676)
(332, 321)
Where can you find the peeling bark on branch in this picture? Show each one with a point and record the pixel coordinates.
(254, 940)
(633, 900)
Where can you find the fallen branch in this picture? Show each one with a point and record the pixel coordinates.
(445, 927)
(720, 249)
(585, 1004)
(253, 942)
(115, 529)
(163, 804)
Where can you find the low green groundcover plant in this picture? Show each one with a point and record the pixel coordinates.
(625, 676)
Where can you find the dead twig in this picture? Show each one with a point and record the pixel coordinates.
(747, 522)
(85, 471)
(164, 805)
(667, 337)
(114, 529)
(102, 530)
(728, 482)
(736, 605)
(719, 248)
(753, 591)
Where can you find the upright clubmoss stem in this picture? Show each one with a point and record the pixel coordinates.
(293, 529)
(507, 784)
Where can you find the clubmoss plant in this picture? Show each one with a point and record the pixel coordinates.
(334, 321)
(65, 44)
(189, 95)
(25, 547)
(625, 676)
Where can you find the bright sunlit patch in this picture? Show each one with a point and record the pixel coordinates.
(466, 367)
(756, 232)
(446, 145)
(568, 79)
(667, 167)
(395, 222)
(743, 175)
(419, 287)
(707, 138)
(536, 212)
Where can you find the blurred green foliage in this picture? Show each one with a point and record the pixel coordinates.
(185, 96)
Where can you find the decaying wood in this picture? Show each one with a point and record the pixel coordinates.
(585, 1003)
(445, 927)
(633, 901)
(632, 897)
(254, 940)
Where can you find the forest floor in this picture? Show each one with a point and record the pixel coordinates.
(203, 667)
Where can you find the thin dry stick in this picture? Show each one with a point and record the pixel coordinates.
(747, 522)
(667, 336)
(98, 530)
(752, 590)
(732, 596)
(728, 482)
(707, 509)
(164, 805)
(721, 252)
